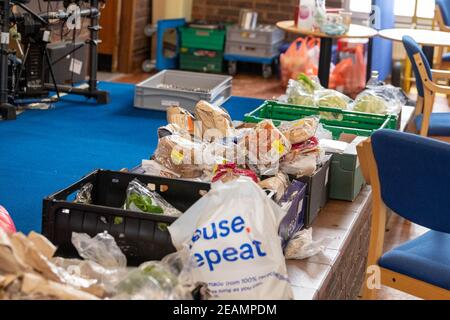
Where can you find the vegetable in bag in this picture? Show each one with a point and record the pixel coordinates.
(140, 198)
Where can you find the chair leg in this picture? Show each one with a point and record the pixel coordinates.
(411, 127)
(369, 294)
(443, 139)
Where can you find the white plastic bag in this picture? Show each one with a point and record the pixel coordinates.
(301, 246)
(101, 249)
(232, 233)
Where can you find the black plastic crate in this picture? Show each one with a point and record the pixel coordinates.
(141, 236)
(294, 219)
(317, 192)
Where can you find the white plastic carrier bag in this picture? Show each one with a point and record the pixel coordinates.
(232, 234)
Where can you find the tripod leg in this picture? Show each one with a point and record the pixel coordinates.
(52, 74)
(8, 112)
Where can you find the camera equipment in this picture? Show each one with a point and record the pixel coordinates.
(26, 77)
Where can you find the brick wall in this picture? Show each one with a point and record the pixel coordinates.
(269, 11)
(141, 43)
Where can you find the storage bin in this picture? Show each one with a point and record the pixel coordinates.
(264, 34)
(296, 213)
(181, 88)
(317, 189)
(316, 192)
(351, 122)
(142, 237)
(201, 60)
(203, 38)
(252, 50)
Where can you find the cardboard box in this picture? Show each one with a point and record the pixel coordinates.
(346, 178)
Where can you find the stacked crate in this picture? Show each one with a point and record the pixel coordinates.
(259, 45)
(202, 48)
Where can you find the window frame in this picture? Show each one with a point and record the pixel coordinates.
(400, 21)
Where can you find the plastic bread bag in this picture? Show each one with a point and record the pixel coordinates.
(153, 168)
(224, 152)
(141, 199)
(101, 249)
(299, 131)
(277, 184)
(301, 246)
(234, 227)
(380, 100)
(230, 171)
(181, 117)
(105, 278)
(300, 165)
(84, 195)
(180, 155)
(265, 146)
(215, 121)
(310, 145)
(173, 129)
(333, 99)
(322, 133)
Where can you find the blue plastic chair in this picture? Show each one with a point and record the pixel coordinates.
(426, 122)
(442, 16)
(409, 174)
(163, 62)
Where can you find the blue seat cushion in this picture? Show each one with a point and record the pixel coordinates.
(426, 258)
(439, 124)
(446, 57)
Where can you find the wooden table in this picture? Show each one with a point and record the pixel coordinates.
(427, 38)
(355, 31)
(338, 273)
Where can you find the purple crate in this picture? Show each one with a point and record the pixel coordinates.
(294, 219)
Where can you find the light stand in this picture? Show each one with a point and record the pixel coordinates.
(7, 111)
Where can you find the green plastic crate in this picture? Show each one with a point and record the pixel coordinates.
(346, 179)
(203, 38)
(350, 122)
(190, 60)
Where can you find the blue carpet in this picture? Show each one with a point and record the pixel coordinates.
(45, 151)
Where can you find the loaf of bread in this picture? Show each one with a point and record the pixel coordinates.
(180, 155)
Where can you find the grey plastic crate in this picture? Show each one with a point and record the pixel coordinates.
(263, 34)
(188, 89)
(252, 50)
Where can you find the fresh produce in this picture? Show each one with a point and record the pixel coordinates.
(149, 275)
(143, 203)
(331, 98)
(308, 85)
(301, 92)
(370, 103)
(301, 100)
(140, 198)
